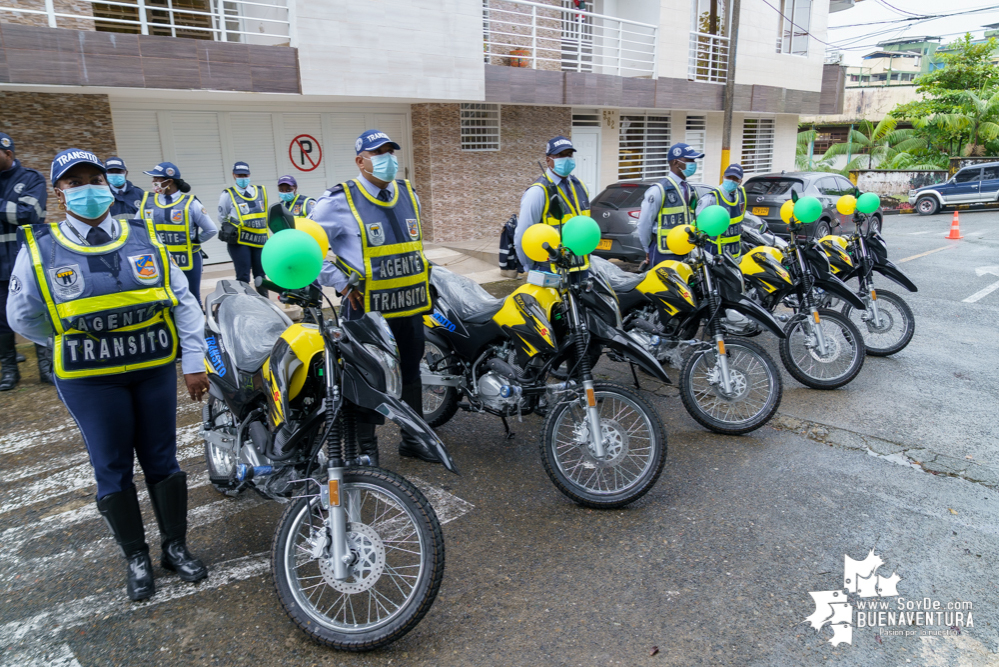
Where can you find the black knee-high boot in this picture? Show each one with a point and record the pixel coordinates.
(123, 516)
(410, 446)
(169, 500)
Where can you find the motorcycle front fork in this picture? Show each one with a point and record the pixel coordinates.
(592, 411)
(872, 303)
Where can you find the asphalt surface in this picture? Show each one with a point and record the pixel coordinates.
(713, 567)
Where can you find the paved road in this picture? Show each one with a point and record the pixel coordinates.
(713, 567)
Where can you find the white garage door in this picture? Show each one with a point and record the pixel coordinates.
(316, 148)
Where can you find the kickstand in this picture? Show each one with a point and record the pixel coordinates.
(509, 434)
(634, 375)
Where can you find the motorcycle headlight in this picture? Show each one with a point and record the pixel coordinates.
(390, 366)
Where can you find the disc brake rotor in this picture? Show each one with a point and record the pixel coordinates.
(615, 443)
(884, 323)
(368, 553)
(833, 348)
(737, 379)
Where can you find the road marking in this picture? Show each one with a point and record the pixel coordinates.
(12, 442)
(918, 233)
(447, 506)
(924, 254)
(42, 656)
(984, 292)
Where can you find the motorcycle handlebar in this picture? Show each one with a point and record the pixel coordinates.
(260, 281)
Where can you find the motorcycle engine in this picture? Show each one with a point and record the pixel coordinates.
(498, 392)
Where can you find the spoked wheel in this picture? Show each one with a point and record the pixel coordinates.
(891, 330)
(755, 387)
(439, 402)
(634, 443)
(397, 551)
(803, 359)
(221, 459)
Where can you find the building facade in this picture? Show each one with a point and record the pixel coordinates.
(471, 89)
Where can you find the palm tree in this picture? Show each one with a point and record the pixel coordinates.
(978, 121)
(802, 161)
(876, 144)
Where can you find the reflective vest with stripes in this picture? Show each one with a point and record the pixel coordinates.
(730, 242)
(396, 274)
(563, 205)
(252, 215)
(110, 305)
(299, 206)
(173, 226)
(673, 212)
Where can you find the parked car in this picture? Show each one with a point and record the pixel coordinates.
(977, 184)
(767, 192)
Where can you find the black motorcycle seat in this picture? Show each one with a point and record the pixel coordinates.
(469, 301)
(250, 326)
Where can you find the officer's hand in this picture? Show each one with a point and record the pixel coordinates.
(197, 385)
(356, 298)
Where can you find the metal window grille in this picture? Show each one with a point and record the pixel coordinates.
(757, 145)
(697, 135)
(588, 118)
(644, 147)
(480, 127)
(795, 18)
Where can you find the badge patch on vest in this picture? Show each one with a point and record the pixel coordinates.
(176, 215)
(67, 281)
(244, 208)
(297, 210)
(376, 233)
(144, 267)
(671, 197)
(414, 228)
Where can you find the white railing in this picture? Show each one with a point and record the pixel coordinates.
(246, 21)
(519, 33)
(708, 58)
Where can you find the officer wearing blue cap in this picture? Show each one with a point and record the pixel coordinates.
(22, 202)
(370, 217)
(180, 221)
(731, 196)
(127, 196)
(297, 205)
(107, 295)
(669, 203)
(243, 223)
(553, 198)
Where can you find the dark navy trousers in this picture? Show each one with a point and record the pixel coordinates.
(125, 416)
(244, 259)
(194, 276)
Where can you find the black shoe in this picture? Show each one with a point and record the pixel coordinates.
(367, 442)
(121, 512)
(9, 375)
(412, 447)
(44, 364)
(169, 500)
(21, 358)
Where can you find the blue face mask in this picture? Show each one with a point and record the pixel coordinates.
(88, 201)
(729, 186)
(287, 196)
(564, 166)
(384, 167)
(690, 169)
(117, 180)
(242, 183)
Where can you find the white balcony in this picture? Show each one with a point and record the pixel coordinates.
(708, 58)
(518, 33)
(247, 21)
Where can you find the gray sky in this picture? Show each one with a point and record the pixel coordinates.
(856, 40)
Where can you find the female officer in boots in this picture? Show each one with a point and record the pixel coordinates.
(115, 307)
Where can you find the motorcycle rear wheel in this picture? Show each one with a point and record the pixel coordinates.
(803, 361)
(398, 546)
(634, 439)
(439, 402)
(897, 324)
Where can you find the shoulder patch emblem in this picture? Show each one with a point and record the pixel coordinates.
(414, 228)
(67, 281)
(376, 233)
(176, 215)
(14, 286)
(19, 188)
(144, 267)
(137, 203)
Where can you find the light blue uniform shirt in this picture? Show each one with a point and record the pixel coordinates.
(652, 201)
(333, 214)
(199, 217)
(28, 316)
(532, 206)
(226, 211)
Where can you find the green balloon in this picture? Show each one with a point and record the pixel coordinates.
(807, 209)
(868, 202)
(713, 220)
(581, 235)
(291, 259)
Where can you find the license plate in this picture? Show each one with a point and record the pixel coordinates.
(605, 244)
(761, 210)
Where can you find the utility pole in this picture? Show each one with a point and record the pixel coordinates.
(733, 42)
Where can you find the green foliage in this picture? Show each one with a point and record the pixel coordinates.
(872, 145)
(977, 119)
(967, 66)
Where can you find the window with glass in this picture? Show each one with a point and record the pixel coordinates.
(795, 18)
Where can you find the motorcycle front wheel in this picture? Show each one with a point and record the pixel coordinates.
(756, 388)
(397, 547)
(634, 443)
(892, 330)
(844, 353)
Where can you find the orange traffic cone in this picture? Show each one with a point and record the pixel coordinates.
(955, 229)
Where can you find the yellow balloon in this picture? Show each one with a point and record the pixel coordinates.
(786, 211)
(846, 204)
(678, 240)
(313, 229)
(536, 237)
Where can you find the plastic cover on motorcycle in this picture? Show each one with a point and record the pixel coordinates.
(619, 279)
(463, 294)
(250, 327)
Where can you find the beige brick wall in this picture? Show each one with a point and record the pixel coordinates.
(74, 7)
(42, 124)
(469, 194)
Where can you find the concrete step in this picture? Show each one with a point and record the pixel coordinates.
(486, 250)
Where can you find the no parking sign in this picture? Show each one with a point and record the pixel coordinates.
(305, 152)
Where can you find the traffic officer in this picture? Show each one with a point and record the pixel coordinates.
(180, 221)
(731, 196)
(553, 198)
(22, 202)
(113, 304)
(668, 203)
(243, 224)
(372, 216)
(299, 205)
(127, 197)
